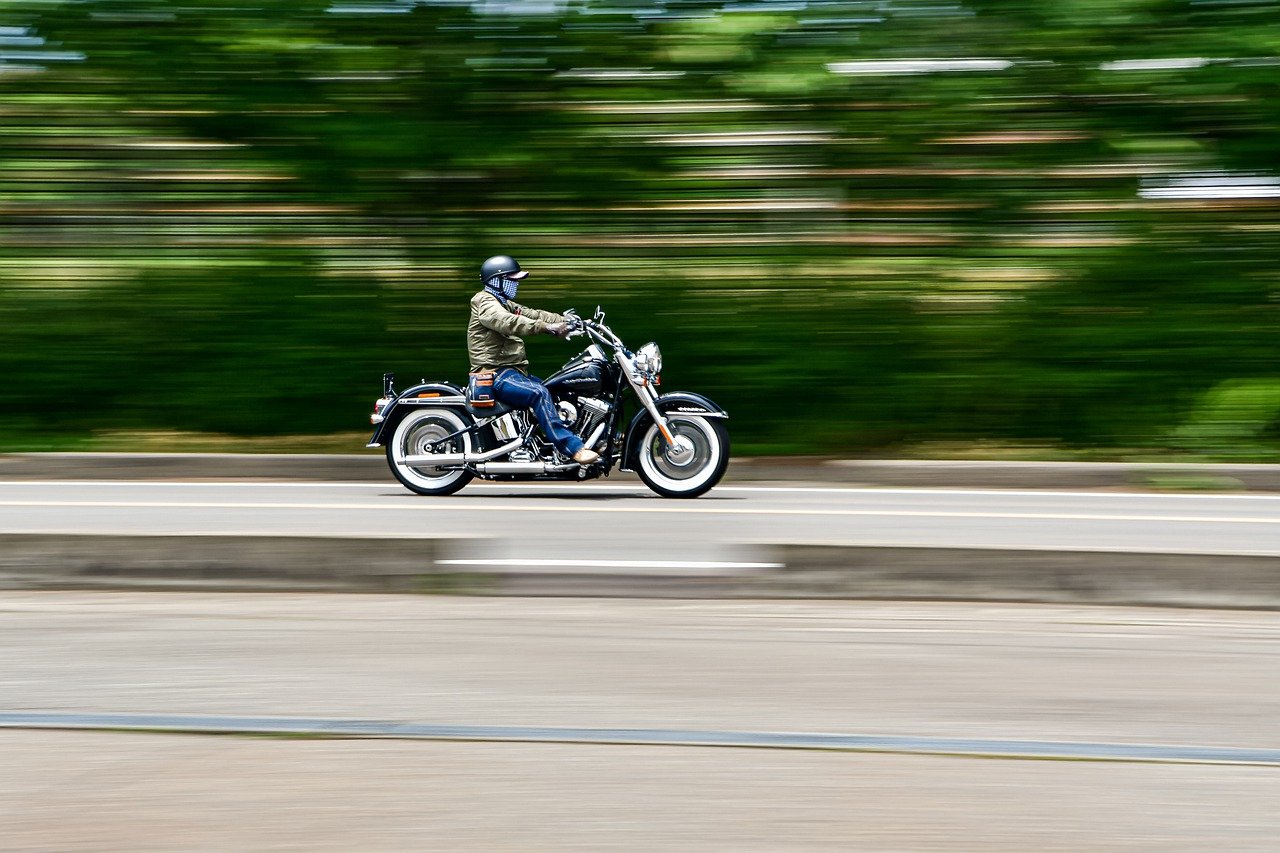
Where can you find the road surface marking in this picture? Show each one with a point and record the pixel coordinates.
(987, 748)
(610, 564)
(640, 490)
(453, 505)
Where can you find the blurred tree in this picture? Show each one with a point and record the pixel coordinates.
(1019, 221)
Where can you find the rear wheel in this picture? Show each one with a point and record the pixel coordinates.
(414, 436)
(693, 465)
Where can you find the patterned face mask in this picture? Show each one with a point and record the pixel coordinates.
(509, 287)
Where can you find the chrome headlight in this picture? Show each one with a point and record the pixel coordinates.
(649, 359)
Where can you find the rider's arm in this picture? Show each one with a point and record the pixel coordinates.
(547, 317)
(512, 320)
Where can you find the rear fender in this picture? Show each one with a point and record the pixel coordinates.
(427, 394)
(678, 402)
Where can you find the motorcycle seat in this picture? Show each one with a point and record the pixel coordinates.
(498, 408)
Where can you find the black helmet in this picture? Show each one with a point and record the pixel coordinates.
(501, 265)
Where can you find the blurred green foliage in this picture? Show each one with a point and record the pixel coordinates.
(1236, 418)
(234, 217)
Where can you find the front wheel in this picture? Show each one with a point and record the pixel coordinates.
(414, 436)
(693, 465)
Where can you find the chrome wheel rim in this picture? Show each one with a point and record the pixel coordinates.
(693, 453)
(413, 437)
(420, 438)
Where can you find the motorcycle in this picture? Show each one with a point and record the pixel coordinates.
(436, 441)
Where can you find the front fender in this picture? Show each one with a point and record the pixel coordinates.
(683, 402)
(426, 394)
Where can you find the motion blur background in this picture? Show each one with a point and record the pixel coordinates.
(912, 226)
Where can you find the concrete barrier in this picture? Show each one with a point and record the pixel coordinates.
(246, 563)
(371, 467)
(240, 563)
(1025, 574)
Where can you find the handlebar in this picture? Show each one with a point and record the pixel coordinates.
(579, 326)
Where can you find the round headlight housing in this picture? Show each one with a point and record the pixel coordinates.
(649, 359)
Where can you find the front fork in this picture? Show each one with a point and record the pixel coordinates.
(647, 397)
(679, 449)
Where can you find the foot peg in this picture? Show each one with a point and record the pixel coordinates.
(586, 456)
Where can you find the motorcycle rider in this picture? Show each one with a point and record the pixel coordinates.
(494, 343)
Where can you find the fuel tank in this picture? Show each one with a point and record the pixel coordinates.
(585, 375)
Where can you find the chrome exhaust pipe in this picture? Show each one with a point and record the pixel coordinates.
(446, 460)
(595, 436)
(523, 468)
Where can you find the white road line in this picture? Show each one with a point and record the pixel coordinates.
(204, 484)
(641, 490)
(999, 546)
(611, 564)
(944, 490)
(114, 530)
(665, 509)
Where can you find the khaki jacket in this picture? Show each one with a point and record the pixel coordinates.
(494, 332)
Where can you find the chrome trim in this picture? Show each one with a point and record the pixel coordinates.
(680, 454)
(523, 468)
(702, 413)
(504, 427)
(444, 460)
(595, 404)
(372, 445)
(432, 401)
(649, 360)
(644, 391)
(595, 436)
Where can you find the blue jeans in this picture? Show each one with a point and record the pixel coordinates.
(515, 389)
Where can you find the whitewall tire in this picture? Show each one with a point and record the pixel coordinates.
(411, 438)
(693, 467)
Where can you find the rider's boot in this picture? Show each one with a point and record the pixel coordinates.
(586, 456)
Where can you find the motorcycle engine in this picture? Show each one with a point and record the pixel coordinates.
(593, 415)
(585, 416)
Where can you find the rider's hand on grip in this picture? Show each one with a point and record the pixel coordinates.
(560, 330)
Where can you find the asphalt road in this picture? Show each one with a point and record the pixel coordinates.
(623, 520)
(1030, 671)
(66, 792)
(1088, 675)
